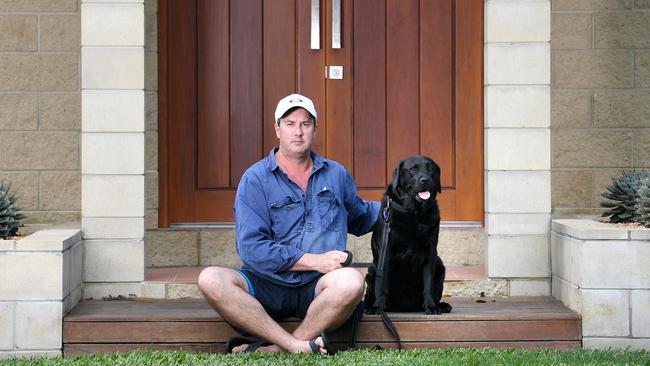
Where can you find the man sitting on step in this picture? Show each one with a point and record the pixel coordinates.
(293, 211)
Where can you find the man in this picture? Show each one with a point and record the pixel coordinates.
(293, 211)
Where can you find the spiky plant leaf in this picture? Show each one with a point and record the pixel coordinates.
(10, 216)
(623, 197)
(643, 208)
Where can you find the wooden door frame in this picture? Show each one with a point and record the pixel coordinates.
(474, 22)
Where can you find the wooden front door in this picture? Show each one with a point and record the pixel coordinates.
(412, 84)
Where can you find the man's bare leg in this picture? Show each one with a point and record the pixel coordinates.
(337, 295)
(227, 292)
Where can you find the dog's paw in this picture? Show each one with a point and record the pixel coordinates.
(445, 307)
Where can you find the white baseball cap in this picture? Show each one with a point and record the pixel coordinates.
(293, 101)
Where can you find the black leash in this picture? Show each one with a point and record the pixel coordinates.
(379, 275)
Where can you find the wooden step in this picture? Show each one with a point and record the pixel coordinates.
(516, 322)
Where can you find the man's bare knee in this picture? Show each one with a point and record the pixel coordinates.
(347, 283)
(215, 283)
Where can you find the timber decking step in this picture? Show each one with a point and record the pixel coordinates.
(515, 322)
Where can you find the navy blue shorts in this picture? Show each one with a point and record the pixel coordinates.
(279, 301)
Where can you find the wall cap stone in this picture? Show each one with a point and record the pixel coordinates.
(594, 230)
(50, 240)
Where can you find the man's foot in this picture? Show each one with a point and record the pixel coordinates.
(241, 344)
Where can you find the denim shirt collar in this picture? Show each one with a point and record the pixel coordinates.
(318, 160)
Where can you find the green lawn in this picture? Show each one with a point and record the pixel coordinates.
(363, 357)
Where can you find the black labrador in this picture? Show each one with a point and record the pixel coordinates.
(414, 274)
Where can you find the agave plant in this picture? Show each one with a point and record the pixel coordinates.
(643, 208)
(10, 216)
(623, 195)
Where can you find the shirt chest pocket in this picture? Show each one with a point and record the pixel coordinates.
(285, 215)
(329, 210)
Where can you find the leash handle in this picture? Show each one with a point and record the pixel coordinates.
(348, 260)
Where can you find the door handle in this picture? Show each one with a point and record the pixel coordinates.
(315, 24)
(336, 23)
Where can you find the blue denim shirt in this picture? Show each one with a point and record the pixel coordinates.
(277, 222)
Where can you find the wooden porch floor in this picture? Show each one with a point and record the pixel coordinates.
(516, 322)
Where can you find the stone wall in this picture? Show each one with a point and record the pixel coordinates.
(600, 98)
(40, 107)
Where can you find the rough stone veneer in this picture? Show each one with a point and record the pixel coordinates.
(517, 143)
(40, 104)
(41, 282)
(113, 143)
(601, 271)
(600, 103)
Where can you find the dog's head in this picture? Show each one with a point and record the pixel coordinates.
(416, 181)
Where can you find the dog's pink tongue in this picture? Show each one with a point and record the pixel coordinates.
(425, 195)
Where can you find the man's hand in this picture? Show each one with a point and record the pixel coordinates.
(323, 263)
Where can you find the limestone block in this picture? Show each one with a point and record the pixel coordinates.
(38, 6)
(517, 63)
(518, 224)
(6, 325)
(7, 245)
(29, 354)
(602, 179)
(642, 68)
(112, 24)
(518, 256)
(571, 31)
(592, 4)
(112, 195)
(581, 69)
(31, 277)
(50, 217)
(591, 148)
(621, 108)
(151, 32)
(97, 291)
(588, 229)
(112, 153)
(183, 291)
(72, 300)
(112, 110)
(530, 288)
(151, 81)
(520, 21)
(572, 188)
(40, 150)
(112, 67)
(362, 248)
(151, 5)
(151, 138)
(151, 112)
(114, 260)
(571, 108)
(490, 287)
(518, 148)
(18, 111)
(565, 259)
(25, 187)
(622, 29)
(171, 248)
(114, 1)
(60, 33)
(605, 313)
(631, 269)
(640, 233)
(60, 191)
(217, 248)
(18, 33)
(615, 343)
(38, 325)
(568, 294)
(39, 71)
(640, 304)
(112, 227)
(459, 246)
(642, 4)
(642, 148)
(517, 106)
(60, 111)
(518, 192)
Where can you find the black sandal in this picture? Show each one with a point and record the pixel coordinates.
(238, 341)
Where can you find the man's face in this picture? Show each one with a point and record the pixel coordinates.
(296, 133)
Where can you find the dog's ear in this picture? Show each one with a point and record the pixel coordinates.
(395, 183)
(436, 177)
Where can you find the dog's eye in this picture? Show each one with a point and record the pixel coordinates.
(413, 168)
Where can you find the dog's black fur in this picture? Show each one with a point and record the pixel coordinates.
(414, 273)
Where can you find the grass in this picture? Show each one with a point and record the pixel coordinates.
(361, 357)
